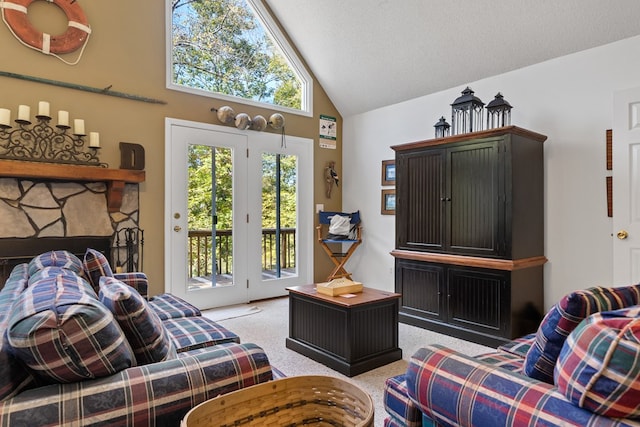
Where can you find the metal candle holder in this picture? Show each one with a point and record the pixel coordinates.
(45, 143)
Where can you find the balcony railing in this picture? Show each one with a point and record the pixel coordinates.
(201, 250)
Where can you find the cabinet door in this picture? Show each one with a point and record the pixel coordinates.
(479, 299)
(420, 181)
(421, 285)
(475, 200)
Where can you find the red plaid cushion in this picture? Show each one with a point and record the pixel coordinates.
(564, 317)
(143, 328)
(96, 265)
(61, 259)
(64, 334)
(599, 365)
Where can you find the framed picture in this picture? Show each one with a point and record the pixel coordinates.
(388, 172)
(388, 202)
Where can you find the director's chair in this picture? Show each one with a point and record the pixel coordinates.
(327, 241)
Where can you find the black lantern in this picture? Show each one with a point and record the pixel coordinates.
(498, 112)
(466, 113)
(442, 128)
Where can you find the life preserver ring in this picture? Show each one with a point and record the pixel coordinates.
(15, 15)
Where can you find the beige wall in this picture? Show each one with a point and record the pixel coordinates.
(126, 51)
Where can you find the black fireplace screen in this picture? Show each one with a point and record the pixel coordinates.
(14, 251)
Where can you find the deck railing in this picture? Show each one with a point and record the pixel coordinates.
(200, 251)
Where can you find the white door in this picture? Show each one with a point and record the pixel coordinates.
(282, 206)
(222, 246)
(626, 187)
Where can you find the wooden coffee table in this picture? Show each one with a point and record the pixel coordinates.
(349, 335)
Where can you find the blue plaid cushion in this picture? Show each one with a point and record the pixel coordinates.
(397, 403)
(64, 334)
(189, 333)
(137, 280)
(457, 390)
(564, 317)
(96, 265)
(169, 306)
(13, 376)
(143, 328)
(61, 259)
(599, 365)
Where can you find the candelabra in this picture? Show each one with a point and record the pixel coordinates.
(42, 142)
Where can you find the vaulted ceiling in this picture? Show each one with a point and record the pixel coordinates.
(371, 53)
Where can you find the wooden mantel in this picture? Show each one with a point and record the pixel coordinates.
(115, 178)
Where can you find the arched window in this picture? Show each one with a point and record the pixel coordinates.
(232, 49)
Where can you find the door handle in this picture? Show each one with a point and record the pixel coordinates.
(622, 234)
(177, 228)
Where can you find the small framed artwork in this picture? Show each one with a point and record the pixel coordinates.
(388, 172)
(388, 202)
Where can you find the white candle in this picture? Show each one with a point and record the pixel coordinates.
(63, 118)
(94, 140)
(5, 117)
(43, 108)
(78, 127)
(24, 113)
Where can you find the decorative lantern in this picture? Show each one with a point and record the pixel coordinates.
(466, 113)
(498, 112)
(442, 128)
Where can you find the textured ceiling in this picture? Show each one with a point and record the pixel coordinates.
(368, 54)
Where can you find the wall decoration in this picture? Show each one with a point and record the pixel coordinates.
(330, 177)
(328, 132)
(76, 36)
(103, 91)
(388, 172)
(610, 196)
(388, 202)
(609, 149)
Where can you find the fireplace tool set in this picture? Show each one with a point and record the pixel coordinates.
(131, 248)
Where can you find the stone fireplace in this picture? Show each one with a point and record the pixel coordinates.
(50, 206)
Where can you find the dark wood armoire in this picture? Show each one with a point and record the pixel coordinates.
(469, 250)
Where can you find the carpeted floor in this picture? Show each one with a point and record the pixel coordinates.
(269, 327)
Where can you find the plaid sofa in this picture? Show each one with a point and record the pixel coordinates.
(581, 368)
(80, 345)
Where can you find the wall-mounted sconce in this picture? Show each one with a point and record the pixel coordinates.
(43, 142)
(243, 121)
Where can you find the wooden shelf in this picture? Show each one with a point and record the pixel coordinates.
(115, 178)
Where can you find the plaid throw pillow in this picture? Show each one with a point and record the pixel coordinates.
(62, 259)
(563, 318)
(599, 365)
(141, 325)
(96, 265)
(63, 333)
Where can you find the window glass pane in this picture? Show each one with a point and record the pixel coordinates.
(210, 202)
(279, 215)
(221, 46)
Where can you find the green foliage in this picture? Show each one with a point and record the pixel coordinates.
(220, 46)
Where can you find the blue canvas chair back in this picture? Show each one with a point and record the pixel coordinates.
(325, 217)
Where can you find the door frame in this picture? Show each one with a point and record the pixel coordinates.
(306, 214)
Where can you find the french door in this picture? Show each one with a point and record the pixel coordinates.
(626, 187)
(238, 213)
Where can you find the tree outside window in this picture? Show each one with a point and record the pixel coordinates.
(220, 46)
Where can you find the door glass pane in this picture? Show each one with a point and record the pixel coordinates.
(279, 215)
(210, 207)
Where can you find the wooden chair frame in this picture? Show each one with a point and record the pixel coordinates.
(340, 258)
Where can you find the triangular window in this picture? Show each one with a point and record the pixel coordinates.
(232, 49)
